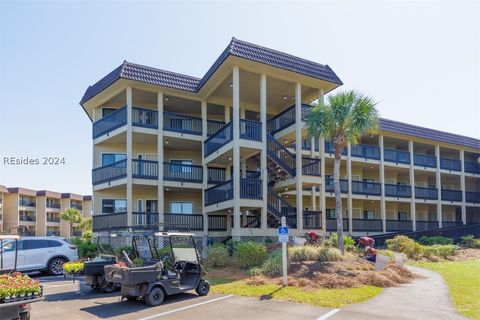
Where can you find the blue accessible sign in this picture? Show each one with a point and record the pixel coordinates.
(283, 234)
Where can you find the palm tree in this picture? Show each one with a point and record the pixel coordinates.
(72, 216)
(346, 117)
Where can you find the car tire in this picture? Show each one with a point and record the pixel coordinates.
(154, 297)
(108, 287)
(55, 267)
(203, 288)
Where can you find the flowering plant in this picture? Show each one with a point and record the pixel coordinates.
(73, 267)
(17, 284)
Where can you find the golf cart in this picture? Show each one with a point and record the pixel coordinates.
(177, 269)
(15, 305)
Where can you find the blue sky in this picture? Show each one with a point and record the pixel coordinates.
(419, 60)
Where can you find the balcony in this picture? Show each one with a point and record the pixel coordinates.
(426, 193)
(329, 185)
(144, 169)
(110, 172)
(398, 191)
(471, 167)
(215, 175)
(451, 195)
(250, 130)
(399, 225)
(366, 188)
(286, 118)
(449, 224)
(76, 205)
(182, 172)
(114, 120)
(426, 225)
(217, 223)
(213, 126)
(109, 221)
(146, 118)
(332, 224)
(311, 166)
(396, 156)
(53, 205)
(450, 164)
(182, 123)
(144, 219)
(367, 225)
(472, 197)
(280, 208)
(251, 189)
(55, 219)
(330, 148)
(424, 160)
(219, 193)
(26, 203)
(365, 151)
(219, 139)
(27, 218)
(184, 222)
(312, 219)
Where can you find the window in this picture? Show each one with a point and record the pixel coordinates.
(107, 111)
(331, 214)
(181, 207)
(402, 216)
(369, 214)
(34, 244)
(181, 166)
(53, 243)
(114, 205)
(109, 158)
(10, 246)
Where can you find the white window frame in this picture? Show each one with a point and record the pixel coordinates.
(173, 201)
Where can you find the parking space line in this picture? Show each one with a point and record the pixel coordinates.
(185, 308)
(328, 314)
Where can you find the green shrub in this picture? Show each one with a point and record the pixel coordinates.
(305, 253)
(470, 241)
(348, 242)
(86, 248)
(439, 250)
(271, 267)
(326, 254)
(412, 249)
(87, 235)
(127, 249)
(429, 241)
(138, 262)
(250, 254)
(217, 256)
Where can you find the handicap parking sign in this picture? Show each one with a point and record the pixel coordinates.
(283, 234)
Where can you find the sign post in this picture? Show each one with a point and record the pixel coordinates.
(283, 238)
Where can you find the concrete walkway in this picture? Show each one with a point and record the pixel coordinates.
(424, 298)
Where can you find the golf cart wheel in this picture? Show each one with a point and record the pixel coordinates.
(154, 297)
(203, 288)
(55, 267)
(108, 287)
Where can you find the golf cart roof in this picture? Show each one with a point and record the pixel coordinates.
(173, 234)
(9, 237)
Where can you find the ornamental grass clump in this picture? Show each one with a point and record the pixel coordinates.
(250, 254)
(305, 253)
(73, 267)
(17, 285)
(217, 256)
(412, 249)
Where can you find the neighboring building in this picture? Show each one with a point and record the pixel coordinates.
(217, 155)
(3, 190)
(37, 213)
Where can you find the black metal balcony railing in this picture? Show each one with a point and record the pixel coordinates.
(76, 205)
(26, 203)
(182, 123)
(366, 188)
(110, 172)
(310, 166)
(144, 219)
(332, 224)
(216, 175)
(471, 167)
(53, 233)
(144, 169)
(399, 225)
(146, 118)
(250, 130)
(472, 197)
(219, 193)
(329, 185)
(451, 195)
(53, 205)
(219, 139)
(307, 145)
(213, 126)
(312, 219)
(182, 172)
(25, 217)
(280, 155)
(450, 164)
(181, 221)
(53, 219)
(114, 120)
(424, 160)
(330, 148)
(397, 156)
(423, 225)
(426, 193)
(448, 224)
(367, 225)
(286, 118)
(109, 221)
(365, 151)
(251, 188)
(281, 208)
(217, 223)
(398, 191)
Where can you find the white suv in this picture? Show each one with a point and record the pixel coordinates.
(39, 254)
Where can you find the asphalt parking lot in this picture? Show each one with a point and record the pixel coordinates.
(67, 300)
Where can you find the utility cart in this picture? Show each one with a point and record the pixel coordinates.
(15, 305)
(178, 269)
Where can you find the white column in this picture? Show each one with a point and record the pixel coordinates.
(382, 185)
(242, 112)
(129, 156)
(236, 149)
(160, 157)
(462, 187)
(413, 209)
(349, 200)
(244, 168)
(321, 155)
(439, 187)
(298, 154)
(263, 154)
(204, 165)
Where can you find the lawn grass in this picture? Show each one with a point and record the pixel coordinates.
(463, 280)
(332, 298)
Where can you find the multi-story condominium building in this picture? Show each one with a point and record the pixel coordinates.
(3, 190)
(229, 155)
(37, 213)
